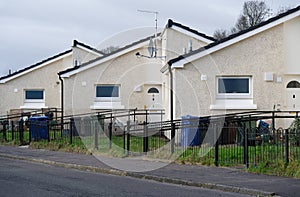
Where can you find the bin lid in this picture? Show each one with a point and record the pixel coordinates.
(37, 118)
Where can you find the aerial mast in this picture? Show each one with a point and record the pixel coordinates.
(151, 49)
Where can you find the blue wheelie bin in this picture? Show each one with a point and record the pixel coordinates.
(190, 132)
(39, 127)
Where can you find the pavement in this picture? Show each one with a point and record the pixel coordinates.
(219, 178)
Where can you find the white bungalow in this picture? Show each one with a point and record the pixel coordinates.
(128, 78)
(256, 69)
(38, 86)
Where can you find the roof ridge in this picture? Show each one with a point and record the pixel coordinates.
(35, 65)
(76, 42)
(232, 36)
(170, 23)
(108, 54)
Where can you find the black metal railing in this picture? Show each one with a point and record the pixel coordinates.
(231, 139)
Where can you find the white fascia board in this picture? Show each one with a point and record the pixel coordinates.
(35, 68)
(198, 37)
(103, 60)
(89, 50)
(180, 64)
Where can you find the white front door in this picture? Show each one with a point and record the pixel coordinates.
(153, 102)
(293, 99)
(153, 98)
(293, 96)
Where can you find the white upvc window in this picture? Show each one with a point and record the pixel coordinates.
(107, 96)
(234, 87)
(107, 92)
(234, 92)
(34, 99)
(34, 96)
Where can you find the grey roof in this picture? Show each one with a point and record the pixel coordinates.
(35, 65)
(106, 55)
(172, 23)
(169, 25)
(75, 43)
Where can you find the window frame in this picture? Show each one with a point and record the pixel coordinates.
(103, 99)
(34, 100)
(234, 95)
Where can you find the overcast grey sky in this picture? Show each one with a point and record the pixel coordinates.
(33, 30)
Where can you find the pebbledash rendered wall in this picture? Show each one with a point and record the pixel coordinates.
(44, 78)
(175, 43)
(134, 76)
(82, 56)
(254, 56)
(127, 71)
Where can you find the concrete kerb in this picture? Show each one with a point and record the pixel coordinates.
(162, 179)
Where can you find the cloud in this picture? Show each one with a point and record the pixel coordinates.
(32, 30)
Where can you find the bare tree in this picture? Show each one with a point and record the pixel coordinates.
(241, 24)
(254, 12)
(220, 34)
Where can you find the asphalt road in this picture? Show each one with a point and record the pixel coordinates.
(22, 178)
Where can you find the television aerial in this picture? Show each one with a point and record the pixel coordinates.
(152, 47)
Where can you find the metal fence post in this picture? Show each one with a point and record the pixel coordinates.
(286, 146)
(273, 121)
(48, 130)
(30, 130)
(145, 138)
(110, 134)
(146, 115)
(4, 131)
(128, 138)
(96, 136)
(124, 140)
(21, 131)
(71, 130)
(216, 145)
(172, 137)
(13, 130)
(246, 147)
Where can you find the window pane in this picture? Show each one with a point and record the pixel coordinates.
(293, 84)
(153, 91)
(233, 85)
(34, 94)
(107, 91)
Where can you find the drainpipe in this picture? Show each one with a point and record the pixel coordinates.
(62, 101)
(171, 93)
(172, 110)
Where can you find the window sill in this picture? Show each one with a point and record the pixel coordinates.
(107, 99)
(233, 104)
(107, 105)
(32, 105)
